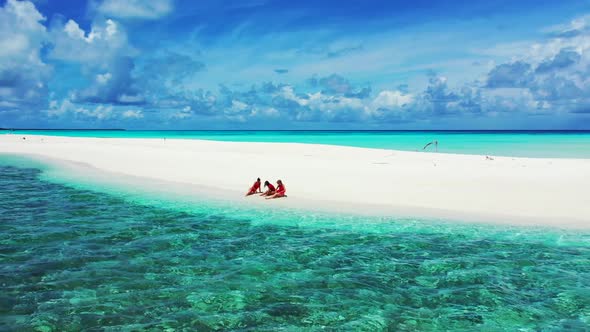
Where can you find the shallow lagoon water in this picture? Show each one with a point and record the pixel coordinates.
(74, 257)
(538, 144)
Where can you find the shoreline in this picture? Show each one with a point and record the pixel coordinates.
(522, 144)
(504, 190)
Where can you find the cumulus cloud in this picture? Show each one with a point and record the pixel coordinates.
(136, 9)
(23, 74)
(548, 77)
(392, 99)
(438, 99)
(565, 58)
(117, 86)
(288, 102)
(106, 40)
(132, 114)
(66, 109)
(338, 85)
(119, 82)
(189, 102)
(100, 112)
(107, 58)
(574, 28)
(555, 83)
(334, 84)
(331, 99)
(185, 113)
(510, 75)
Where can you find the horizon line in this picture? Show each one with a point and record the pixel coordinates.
(302, 130)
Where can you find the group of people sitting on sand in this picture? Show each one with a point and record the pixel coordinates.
(271, 191)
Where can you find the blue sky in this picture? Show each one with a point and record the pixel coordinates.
(276, 64)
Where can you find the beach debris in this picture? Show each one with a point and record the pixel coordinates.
(489, 158)
(435, 142)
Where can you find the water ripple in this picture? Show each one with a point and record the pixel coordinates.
(74, 260)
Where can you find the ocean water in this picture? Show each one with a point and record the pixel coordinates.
(78, 257)
(556, 144)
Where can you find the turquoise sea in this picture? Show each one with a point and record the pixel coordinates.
(78, 256)
(558, 144)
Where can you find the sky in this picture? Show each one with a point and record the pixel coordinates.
(283, 64)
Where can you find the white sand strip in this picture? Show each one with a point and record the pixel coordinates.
(470, 187)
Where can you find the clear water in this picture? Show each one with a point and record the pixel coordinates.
(557, 144)
(76, 259)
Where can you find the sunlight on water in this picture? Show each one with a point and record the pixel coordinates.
(74, 259)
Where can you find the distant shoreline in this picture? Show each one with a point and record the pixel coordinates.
(61, 129)
(323, 130)
(528, 144)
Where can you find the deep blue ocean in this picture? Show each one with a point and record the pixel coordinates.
(78, 257)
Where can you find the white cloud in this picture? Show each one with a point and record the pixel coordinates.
(106, 56)
(139, 9)
(270, 112)
(100, 112)
(103, 78)
(237, 106)
(132, 114)
(573, 35)
(552, 74)
(318, 105)
(392, 99)
(575, 25)
(57, 109)
(68, 108)
(105, 41)
(22, 71)
(130, 99)
(17, 45)
(185, 113)
(72, 29)
(181, 115)
(21, 30)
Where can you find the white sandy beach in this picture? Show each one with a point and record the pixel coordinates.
(466, 187)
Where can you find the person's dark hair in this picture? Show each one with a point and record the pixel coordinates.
(266, 183)
(258, 180)
(279, 181)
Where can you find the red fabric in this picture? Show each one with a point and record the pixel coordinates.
(281, 189)
(271, 187)
(255, 187)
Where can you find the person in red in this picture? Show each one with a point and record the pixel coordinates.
(255, 187)
(281, 190)
(270, 189)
